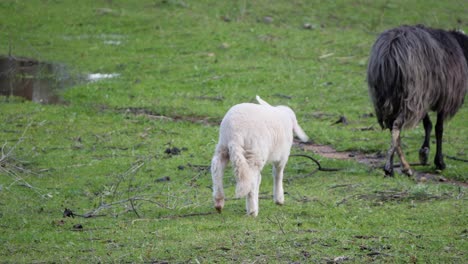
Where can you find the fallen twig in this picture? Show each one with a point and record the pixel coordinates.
(398, 165)
(7, 164)
(4, 156)
(320, 168)
(199, 167)
(93, 213)
(283, 96)
(277, 222)
(343, 185)
(456, 158)
(174, 216)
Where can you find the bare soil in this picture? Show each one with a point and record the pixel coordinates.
(373, 160)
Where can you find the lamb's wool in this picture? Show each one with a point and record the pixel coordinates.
(252, 135)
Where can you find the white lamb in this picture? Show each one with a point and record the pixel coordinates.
(250, 136)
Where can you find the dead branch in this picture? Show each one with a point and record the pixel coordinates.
(130, 171)
(131, 200)
(7, 164)
(320, 168)
(343, 185)
(199, 167)
(277, 222)
(398, 165)
(8, 155)
(174, 216)
(456, 158)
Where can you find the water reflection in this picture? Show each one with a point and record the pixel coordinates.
(40, 82)
(36, 81)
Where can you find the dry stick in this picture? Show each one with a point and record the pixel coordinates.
(4, 159)
(93, 212)
(398, 165)
(278, 223)
(133, 169)
(199, 167)
(320, 168)
(5, 156)
(456, 158)
(173, 217)
(131, 201)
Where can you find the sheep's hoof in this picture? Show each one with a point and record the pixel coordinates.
(408, 172)
(423, 155)
(440, 164)
(388, 171)
(279, 203)
(219, 209)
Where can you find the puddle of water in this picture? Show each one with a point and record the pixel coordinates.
(40, 82)
(33, 80)
(94, 77)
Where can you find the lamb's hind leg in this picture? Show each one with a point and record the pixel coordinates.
(218, 165)
(424, 150)
(252, 198)
(278, 192)
(439, 131)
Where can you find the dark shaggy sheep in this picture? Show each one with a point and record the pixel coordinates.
(412, 70)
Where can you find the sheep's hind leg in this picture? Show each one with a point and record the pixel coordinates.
(406, 167)
(396, 145)
(278, 192)
(439, 131)
(218, 164)
(388, 168)
(424, 150)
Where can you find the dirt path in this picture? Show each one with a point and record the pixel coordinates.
(375, 160)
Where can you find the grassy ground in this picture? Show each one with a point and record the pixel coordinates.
(182, 64)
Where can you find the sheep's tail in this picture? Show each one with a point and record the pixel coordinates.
(245, 174)
(261, 101)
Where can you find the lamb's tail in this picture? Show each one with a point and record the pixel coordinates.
(299, 132)
(260, 101)
(245, 174)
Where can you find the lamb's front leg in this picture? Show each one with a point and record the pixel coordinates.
(278, 192)
(252, 198)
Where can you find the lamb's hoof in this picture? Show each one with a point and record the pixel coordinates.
(219, 204)
(279, 200)
(424, 155)
(252, 213)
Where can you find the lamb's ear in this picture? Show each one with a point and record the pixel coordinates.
(260, 101)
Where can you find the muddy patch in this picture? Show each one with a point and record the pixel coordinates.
(372, 160)
(177, 118)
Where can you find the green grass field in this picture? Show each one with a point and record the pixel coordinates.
(182, 65)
